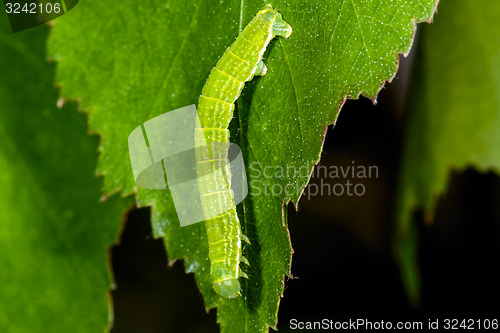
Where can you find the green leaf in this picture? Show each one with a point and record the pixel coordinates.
(454, 119)
(54, 231)
(130, 63)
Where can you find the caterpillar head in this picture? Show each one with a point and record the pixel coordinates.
(266, 8)
(280, 27)
(229, 288)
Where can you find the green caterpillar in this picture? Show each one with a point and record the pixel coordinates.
(239, 64)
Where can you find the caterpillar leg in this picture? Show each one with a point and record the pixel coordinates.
(261, 69)
(245, 261)
(245, 239)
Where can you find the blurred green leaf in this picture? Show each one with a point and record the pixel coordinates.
(454, 118)
(54, 231)
(130, 63)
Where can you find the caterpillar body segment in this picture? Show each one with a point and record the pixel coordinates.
(239, 64)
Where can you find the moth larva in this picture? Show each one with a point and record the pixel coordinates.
(239, 63)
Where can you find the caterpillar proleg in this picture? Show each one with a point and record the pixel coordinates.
(239, 64)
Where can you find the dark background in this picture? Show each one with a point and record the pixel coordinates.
(343, 263)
